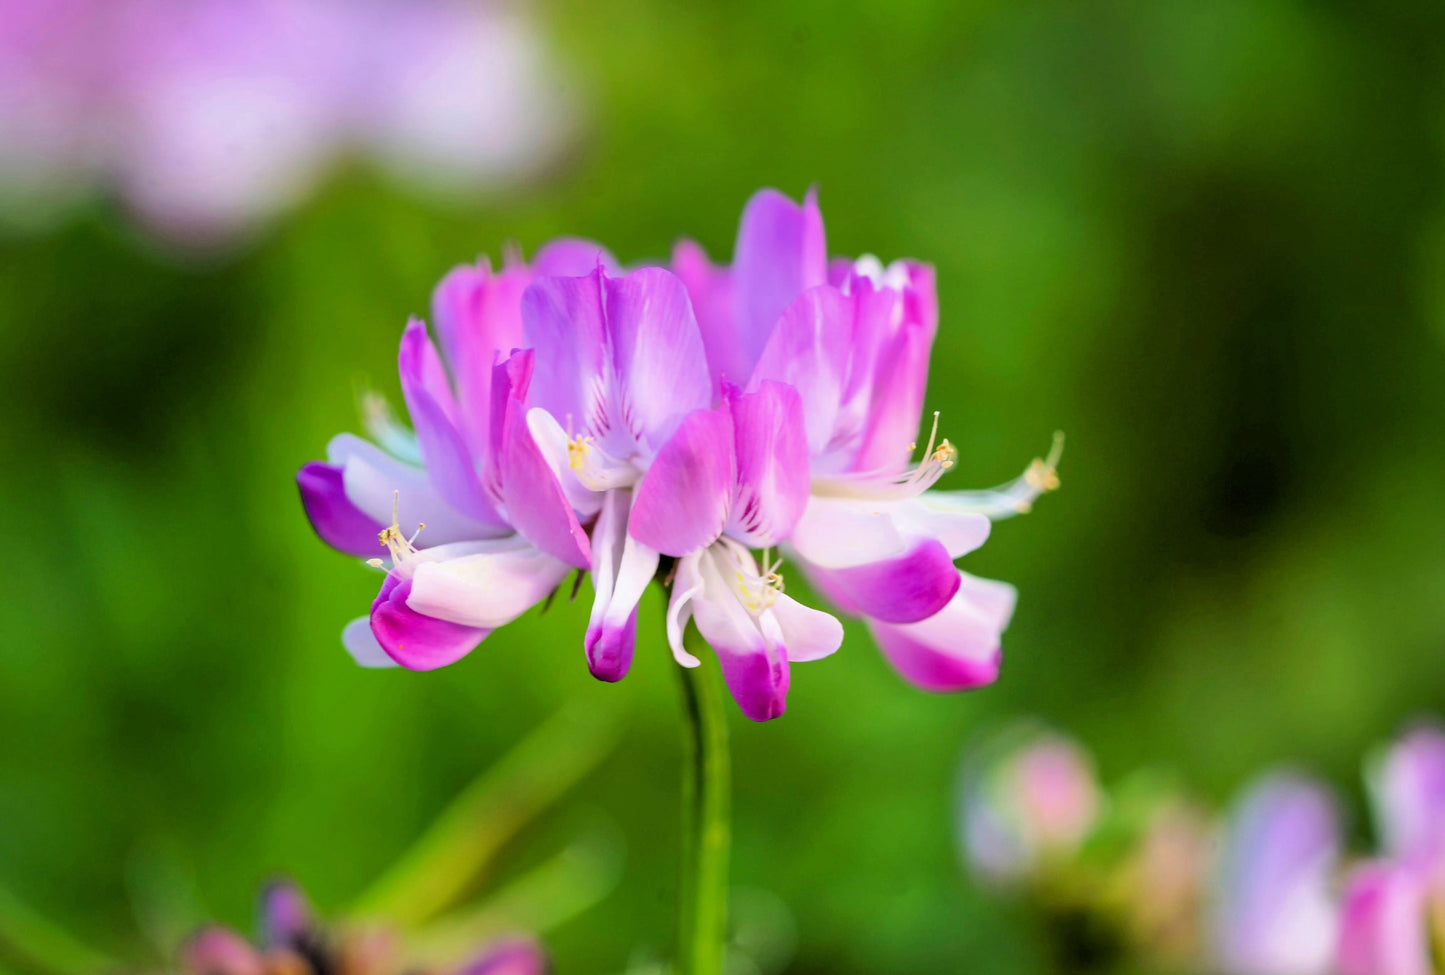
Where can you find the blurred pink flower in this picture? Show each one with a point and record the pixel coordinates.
(210, 116)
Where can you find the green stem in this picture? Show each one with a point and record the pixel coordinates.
(703, 881)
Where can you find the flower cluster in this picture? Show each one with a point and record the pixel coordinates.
(698, 424)
(290, 942)
(207, 116)
(1266, 891)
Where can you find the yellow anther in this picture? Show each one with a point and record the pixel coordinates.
(577, 449)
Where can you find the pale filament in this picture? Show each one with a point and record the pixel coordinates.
(398, 545)
(757, 589)
(937, 460)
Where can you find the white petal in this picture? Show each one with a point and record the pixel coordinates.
(835, 533)
(361, 643)
(552, 440)
(488, 588)
(686, 585)
(807, 633)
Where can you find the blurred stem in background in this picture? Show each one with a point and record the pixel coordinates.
(703, 881)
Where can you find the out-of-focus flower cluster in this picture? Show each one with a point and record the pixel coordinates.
(208, 116)
(290, 942)
(695, 424)
(1267, 889)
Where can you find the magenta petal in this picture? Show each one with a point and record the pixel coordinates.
(808, 349)
(758, 682)
(1409, 795)
(772, 464)
(337, 521)
(448, 460)
(478, 313)
(956, 649)
(415, 641)
(573, 257)
(220, 951)
(535, 503)
(1384, 923)
(515, 956)
(683, 500)
(609, 648)
(780, 253)
(906, 589)
(898, 387)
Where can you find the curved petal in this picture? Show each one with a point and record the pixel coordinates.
(956, 649)
(684, 498)
(808, 350)
(415, 641)
(905, 589)
(486, 589)
(573, 257)
(710, 290)
(361, 643)
(337, 521)
(478, 316)
(1274, 912)
(781, 252)
(658, 353)
(687, 584)
(808, 634)
(622, 567)
(960, 532)
(530, 492)
(754, 662)
(898, 383)
(449, 462)
(378, 484)
(286, 917)
(1407, 786)
(835, 533)
(1384, 923)
(562, 322)
(772, 464)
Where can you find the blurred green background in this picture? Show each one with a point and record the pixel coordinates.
(1205, 240)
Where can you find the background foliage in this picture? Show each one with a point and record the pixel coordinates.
(1206, 240)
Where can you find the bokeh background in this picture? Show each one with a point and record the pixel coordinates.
(1207, 241)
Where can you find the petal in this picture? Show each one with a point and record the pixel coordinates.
(905, 589)
(687, 584)
(1274, 912)
(215, 950)
(684, 498)
(478, 315)
(1384, 923)
(562, 322)
(956, 649)
(530, 492)
(772, 465)
(780, 253)
(808, 349)
(487, 589)
(658, 353)
(621, 570)
(834, 533)
(754, 666)
(415, 641)
(1407, 787)
(710, 290)
(337, 521)
(378, 484)
(552, 441)
(286, 918)
(449, 462)
(808, 634)
(515, 956)
(573, 257)
(960, 532)
(898, 383)
(361, 643)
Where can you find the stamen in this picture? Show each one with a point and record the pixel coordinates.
(400, 547)
(756, 590)
(937, 460)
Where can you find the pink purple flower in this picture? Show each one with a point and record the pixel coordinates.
(581, 416)
(1275, 911)
(291, 942)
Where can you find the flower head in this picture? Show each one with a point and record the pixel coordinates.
(697, 425)
(291, 942)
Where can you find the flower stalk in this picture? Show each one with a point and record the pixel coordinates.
(706, 795)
